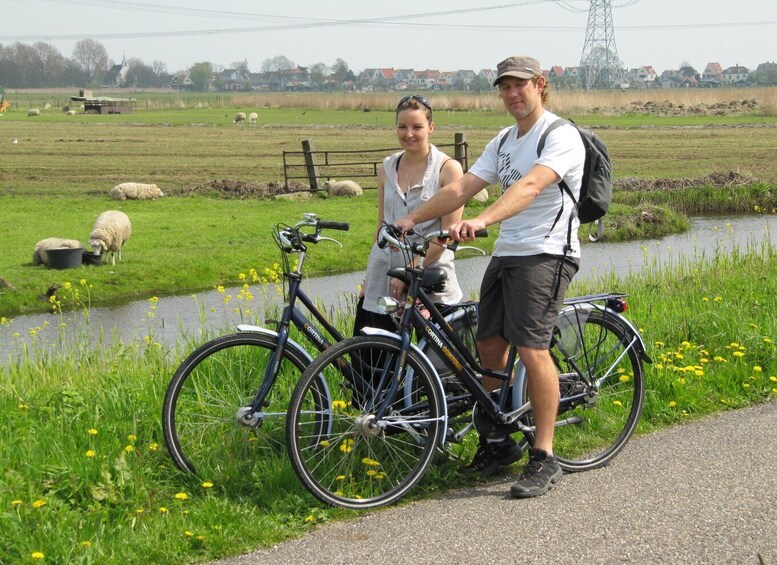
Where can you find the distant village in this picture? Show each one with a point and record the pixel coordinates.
(298, 78)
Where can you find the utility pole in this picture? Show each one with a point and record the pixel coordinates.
(599, 63)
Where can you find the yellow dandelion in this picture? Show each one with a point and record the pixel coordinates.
(39, 503)
(181, 496)
(37, 555)
(17, 502)
(370, 462)
(719, 359)
(767, 340)
(324, 443)
(340, 478)
(718, 298)
(188, 534)
(372, 473)
(200, 538)
(129, 448)
(672, 404)
(624, 378)
(699, 373)
(90, 453)
(705, 299)
(67, 285)
(92, 432)
(757, 369)
(338, 493)
(617, 403)
(746, 385)
(338, 404)
(207, 484)
(738, 354)
(686, 344)
(379, 476)
(733, 344)
(310, 519)
(163, 510)
(220, 289)
(86, 544)
(153, 447)
(141, 511)
(131, 437)
(253, 439)
(242, 276)
(659, 344)
(773, 379)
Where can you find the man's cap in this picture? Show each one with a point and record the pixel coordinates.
(518, 67)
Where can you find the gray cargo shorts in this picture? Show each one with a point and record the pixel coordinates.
(517, 297)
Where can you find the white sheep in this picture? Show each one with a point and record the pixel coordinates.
(33, 112)
(240, 117)
(342, 188)
(252, 117)
(111, 231)
(136, 191)
(71, 112)
(42, 248)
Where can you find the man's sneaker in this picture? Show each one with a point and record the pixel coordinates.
(539, 475)
(492, 456)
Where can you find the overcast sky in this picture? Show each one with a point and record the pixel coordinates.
(434, 34)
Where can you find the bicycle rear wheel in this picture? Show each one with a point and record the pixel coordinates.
(595, 423)
(364, 462)
(205, 418)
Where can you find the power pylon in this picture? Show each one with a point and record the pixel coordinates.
(599, 63)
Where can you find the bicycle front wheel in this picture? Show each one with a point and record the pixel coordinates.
(209, 427)
(365, 461)
(597, 418)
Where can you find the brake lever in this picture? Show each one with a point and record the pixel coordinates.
(324, 238)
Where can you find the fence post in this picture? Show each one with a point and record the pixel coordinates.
(310, 163)
(460, 150)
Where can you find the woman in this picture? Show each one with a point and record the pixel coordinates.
(406, 180)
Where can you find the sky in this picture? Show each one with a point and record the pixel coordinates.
(434, 34)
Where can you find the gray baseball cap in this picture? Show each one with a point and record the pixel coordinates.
(518, 66)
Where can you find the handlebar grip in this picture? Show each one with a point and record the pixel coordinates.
(482, 233)
(342, 226)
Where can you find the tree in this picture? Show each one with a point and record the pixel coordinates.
(141, 75)
(201, 75)
(92, 57)
(54, 65)
(339, 71)
(276, 66)
(318, 74)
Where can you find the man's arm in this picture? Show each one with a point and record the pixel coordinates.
(451, 197)
(513, 201)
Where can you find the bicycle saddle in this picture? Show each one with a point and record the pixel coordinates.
(433, 279)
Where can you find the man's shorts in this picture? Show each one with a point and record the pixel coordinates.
(517, 297)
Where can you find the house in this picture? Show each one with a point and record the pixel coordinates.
(555, 72)
(382, 78)
(117, 74)
(405, 75)
(296, 79)
(488, 75)
(463, 78)
(735, 76)
(426, 79)
(642, 77)
(571, 72)
(180, 82)
(712, 73)
(234, 79)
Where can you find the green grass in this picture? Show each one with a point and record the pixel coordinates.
(86, 479)
(57, 177)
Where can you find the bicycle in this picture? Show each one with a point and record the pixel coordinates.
(233, 386)
(226, 401)
(377, 446)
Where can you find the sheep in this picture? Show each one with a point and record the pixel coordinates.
(41, 256)
(136, 191)
(240, 117)
(111, 231)
(342, 188)
(71, 112)
(33, 112)
(252, 117)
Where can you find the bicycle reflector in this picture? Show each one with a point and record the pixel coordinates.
(618, 305)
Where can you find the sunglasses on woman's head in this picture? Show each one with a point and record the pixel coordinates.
(422, 99)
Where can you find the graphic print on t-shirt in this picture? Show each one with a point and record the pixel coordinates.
(507, 175)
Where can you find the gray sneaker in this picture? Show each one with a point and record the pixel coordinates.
(540, 474)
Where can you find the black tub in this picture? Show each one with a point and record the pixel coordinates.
(65, 257)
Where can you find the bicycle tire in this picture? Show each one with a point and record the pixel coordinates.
(591, 433)
(199, 416)
(364, 463)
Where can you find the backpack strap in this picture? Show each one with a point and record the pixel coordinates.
(504, 138)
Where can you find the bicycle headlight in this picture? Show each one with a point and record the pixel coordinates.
(387, 305)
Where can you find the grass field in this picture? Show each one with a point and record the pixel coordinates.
(85, 475)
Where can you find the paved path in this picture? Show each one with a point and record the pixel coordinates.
(704, 492)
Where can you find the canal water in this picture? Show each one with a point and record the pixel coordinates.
(170, 318)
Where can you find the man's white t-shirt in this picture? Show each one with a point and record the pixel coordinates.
(532, 231)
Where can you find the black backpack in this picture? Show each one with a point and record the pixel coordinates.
(596, 187)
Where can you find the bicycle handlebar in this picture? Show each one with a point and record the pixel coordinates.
(390, 235)
(342, 226)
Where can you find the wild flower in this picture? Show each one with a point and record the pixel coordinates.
(129, 448)
(90, 453)
(181, 496)
(757, 369)
(39, 503)
(132, 437)
(672, 404)
(92, 431)
(163, 510)
(17, 502)
(86, 544)
(37, 555)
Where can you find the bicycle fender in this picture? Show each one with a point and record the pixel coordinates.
(641, 348)
(425, 360)
(289, 342)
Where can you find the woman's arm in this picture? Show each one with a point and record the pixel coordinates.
(381, 184)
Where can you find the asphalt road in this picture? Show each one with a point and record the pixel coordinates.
(703, 492)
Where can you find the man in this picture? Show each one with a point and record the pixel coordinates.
(534, 258)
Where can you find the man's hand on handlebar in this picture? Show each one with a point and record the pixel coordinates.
(465, 230)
